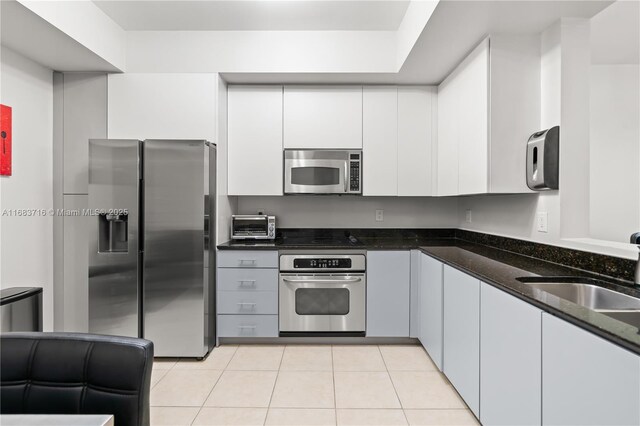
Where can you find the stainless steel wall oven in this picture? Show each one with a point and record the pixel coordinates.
(322, 294)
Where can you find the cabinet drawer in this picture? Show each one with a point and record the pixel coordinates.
(248, 302)
(247, 326)
(236, 279)
(247, 259)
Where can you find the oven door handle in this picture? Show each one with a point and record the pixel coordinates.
(349, 280)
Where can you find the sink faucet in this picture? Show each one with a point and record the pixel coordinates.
(635, 239)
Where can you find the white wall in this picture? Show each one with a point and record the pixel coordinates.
(615, 151)
(354, 212)
(261, 51)
(26, 254)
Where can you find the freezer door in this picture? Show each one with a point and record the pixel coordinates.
(175, 282)
(113, 237)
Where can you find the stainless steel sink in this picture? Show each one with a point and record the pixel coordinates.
(589, 295)
(628, 317)
(585, 292)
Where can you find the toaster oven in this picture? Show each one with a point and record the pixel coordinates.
(256, 227)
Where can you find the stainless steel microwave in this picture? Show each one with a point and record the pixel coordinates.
(322, 171)
(255, 227)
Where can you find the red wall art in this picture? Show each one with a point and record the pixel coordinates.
(5, 140)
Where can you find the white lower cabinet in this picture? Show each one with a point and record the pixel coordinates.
(388, 288)
(586, 380)
(430, 303)
(461, 355)
(510, 359)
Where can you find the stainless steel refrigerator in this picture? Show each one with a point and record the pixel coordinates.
(151, 242)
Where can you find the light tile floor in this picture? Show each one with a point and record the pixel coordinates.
(305, 385)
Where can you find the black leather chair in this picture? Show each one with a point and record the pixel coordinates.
(73, 373)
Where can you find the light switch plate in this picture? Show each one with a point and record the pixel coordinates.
(379, 215)
(541, 222)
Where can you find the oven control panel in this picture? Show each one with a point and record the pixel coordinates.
(321, 263)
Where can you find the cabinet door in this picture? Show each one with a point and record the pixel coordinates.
(162, 106)
(447, 157)
(461, 359)
(510, 359)
(431, 307)
(473, 114)
(415, 109)
(85, 117)
(380, 140)
(75, 306)
(585, 379)
(323, 117)
(255, 140)
(414, 297)
(388, 288)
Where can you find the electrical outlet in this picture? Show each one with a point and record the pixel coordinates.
(468, 216)
(379, 215)
(541, 222)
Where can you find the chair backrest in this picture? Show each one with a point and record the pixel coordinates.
(73, 373)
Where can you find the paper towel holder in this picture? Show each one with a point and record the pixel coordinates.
(543, 159)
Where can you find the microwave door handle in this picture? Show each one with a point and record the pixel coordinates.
(346, 178)
(349, 280)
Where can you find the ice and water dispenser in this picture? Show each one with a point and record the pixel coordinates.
(113, 233)
(543, 159)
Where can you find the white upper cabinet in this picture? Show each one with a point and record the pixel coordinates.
(447, 156)
(323, 117)
(416, 108)
(255, 140)
(380, 140)
(161, 106)
(487, 108)
(472, 132)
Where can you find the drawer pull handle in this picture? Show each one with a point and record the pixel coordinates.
(249, 261)
(247, 283)
(243, 304)
(247, 327)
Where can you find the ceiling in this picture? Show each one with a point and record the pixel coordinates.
(255, 15)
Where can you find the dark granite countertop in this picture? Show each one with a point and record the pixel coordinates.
(494, 266)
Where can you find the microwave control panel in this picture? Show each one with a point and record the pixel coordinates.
(354, 175)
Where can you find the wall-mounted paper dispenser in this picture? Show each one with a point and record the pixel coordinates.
(543, 159)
